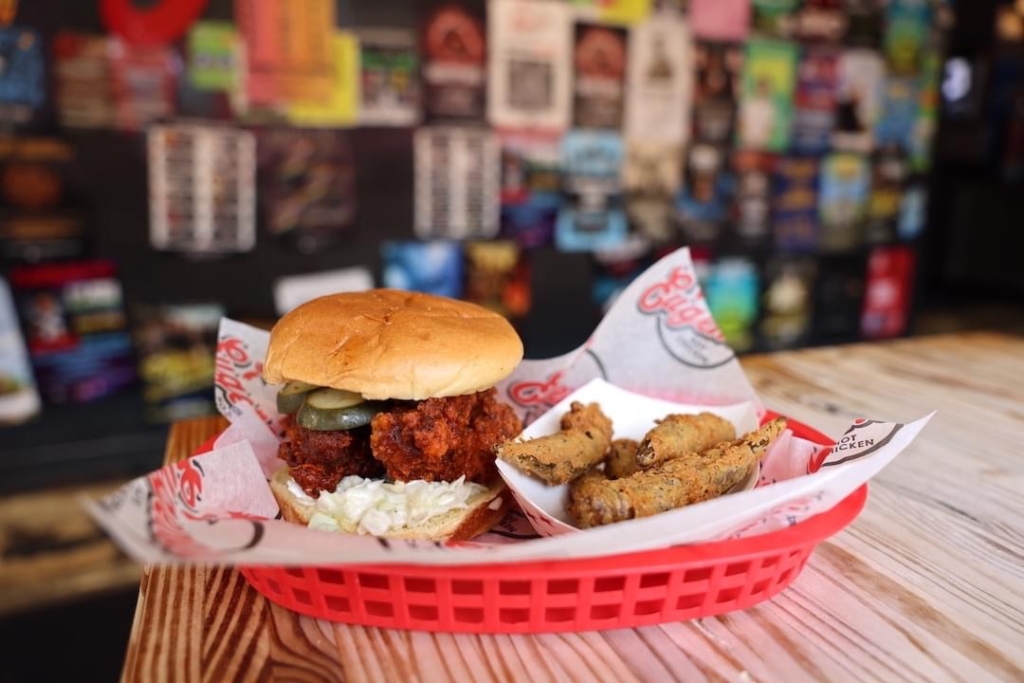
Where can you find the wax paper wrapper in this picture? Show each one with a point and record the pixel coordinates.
(658, 340)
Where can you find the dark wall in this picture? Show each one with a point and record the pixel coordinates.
(110, 177)
(974, 240)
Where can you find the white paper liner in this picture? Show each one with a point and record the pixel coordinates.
(658, 340)
(632, 416)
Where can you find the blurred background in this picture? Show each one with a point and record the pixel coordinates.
(842, 170)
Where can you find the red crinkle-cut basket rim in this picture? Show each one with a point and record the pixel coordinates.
(593, 593)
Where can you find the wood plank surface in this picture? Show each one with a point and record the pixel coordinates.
(926, 585)
(51, 550)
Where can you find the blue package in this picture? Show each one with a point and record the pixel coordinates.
(592, 215)
(843, 200)
(913, 210)
(732, 291)
(899, 113)
(702, 205)
(795, 223)
(431, 267)
(22, 71)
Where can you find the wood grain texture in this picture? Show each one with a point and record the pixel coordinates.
(51, 551)
(927, 585)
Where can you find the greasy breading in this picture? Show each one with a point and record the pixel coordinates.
(319, 460)
(679, 435)
(584, 439)
(673, 483)
(621, 461)
(442, 439)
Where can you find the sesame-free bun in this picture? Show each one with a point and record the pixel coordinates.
(483, 511)
(386, 343)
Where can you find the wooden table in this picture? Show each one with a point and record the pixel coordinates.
(926, 585)
(51, 551)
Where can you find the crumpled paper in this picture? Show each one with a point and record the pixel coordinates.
(659, 340)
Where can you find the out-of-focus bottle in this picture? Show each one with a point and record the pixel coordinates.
(19, 400)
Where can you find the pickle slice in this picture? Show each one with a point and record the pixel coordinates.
(333, 399)
(292, 395)
(336, 419)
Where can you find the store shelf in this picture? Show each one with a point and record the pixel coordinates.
(106, 439)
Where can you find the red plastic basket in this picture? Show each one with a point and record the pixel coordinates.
(617, 591)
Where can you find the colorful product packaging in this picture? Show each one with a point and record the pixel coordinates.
(76, 330)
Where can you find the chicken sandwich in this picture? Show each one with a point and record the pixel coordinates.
(392, 415)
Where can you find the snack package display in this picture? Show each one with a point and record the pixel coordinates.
(660, 81)
(458, 179)
(175, 343)
(340, 108)
(453, 42)
(40, 215)
(389, 78)
(733, 290)
(704, 200)
(889, 172)
(787, 302)
(202, 189)
(720, 19)
(75, 328)
(907, 25)
(82, 80)
(766, 109)
(497, 277)
(795, 204)
(752, 215)
(716, 90)
(530, 64)
(657, 352)
(143, 83)
(288, 46)
(23, 77)
(843, 196)
(434, 267)
(651, 178)
(887, 293)
(307, 185)
(859, 100)
(213, 56)
(19, 400)
(599, 87)
(530, 188)
(815, 100)
(591, 216)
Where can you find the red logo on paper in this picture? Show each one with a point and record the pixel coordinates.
(175, 494)
(234, 367)
(685, 326)
(190, 483)
(174, 487)
(536, 396)
(547, 392)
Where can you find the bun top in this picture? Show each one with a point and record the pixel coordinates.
(386, 343)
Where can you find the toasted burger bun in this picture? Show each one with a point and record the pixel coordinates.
(387, 343)
(454, 525)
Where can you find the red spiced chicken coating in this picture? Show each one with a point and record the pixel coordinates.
(441, 439)
(318, 460)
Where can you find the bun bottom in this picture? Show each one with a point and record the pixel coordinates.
(454, 525)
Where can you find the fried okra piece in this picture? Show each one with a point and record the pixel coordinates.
(672, 483)
(621, 461)
(584, 439)
(679, 435)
